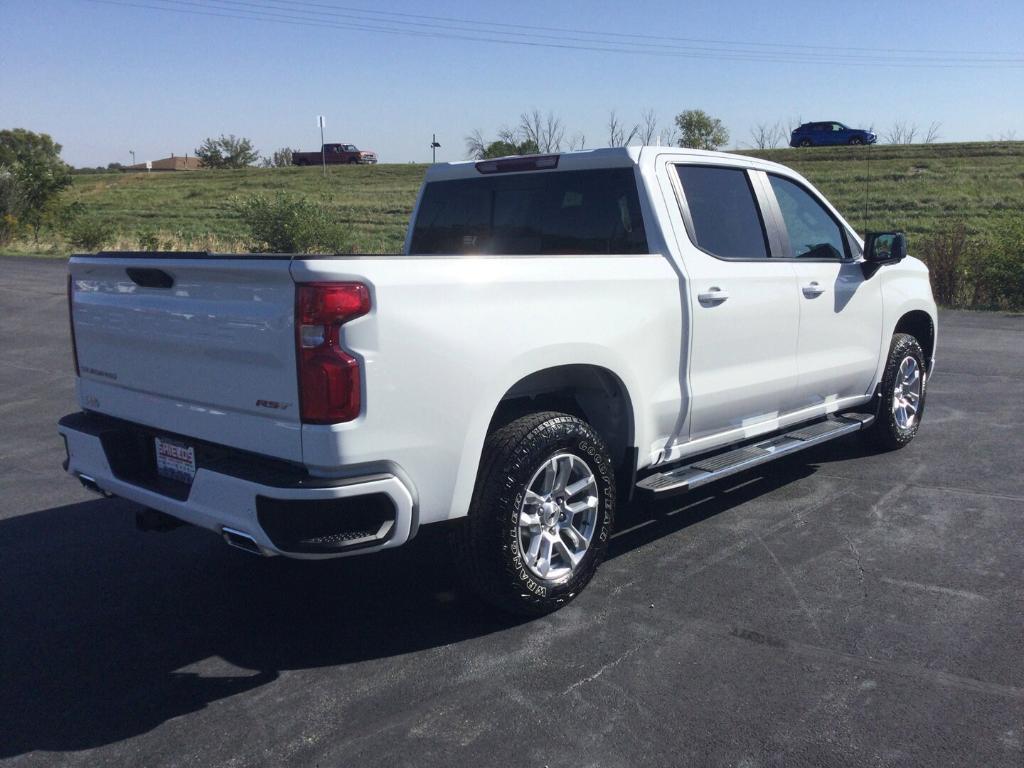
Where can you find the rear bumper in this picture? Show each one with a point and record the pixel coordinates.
(281, 508)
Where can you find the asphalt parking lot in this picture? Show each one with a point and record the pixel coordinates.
(837, 608)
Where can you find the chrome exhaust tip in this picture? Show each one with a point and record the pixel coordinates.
(90, 484)
(240, 540)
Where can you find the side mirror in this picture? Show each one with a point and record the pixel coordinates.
(885, 247)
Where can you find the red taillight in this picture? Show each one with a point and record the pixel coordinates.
(329, 387)
(71, 322)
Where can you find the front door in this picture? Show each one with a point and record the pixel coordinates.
(840, 311)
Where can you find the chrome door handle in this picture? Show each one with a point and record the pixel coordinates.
(812, 289)
(713, 295)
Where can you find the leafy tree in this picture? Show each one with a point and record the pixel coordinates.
(33, 178)
(509, 142)
(699, 130)
(505, 148)
(10, 205)
(22, 146)
(227, 152)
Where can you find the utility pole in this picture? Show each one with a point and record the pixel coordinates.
(323, 153)
(433, 149)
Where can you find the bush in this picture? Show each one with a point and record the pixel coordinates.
(945, 254)
(979, 272)
(288, 224)
(282, 158)
(148, 240)
(996, 268)
(89, 234)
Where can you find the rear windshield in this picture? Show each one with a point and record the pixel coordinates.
(558, 212)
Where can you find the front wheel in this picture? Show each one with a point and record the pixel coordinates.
(902, 395)
(541, 514)
(856, 140)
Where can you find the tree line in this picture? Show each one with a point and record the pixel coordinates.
(537, 132)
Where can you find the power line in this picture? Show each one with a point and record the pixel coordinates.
(675, 39)
(766, 51)
(267, 14)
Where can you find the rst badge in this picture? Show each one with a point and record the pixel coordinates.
(272, 404)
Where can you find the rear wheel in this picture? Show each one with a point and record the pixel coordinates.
(541, 514)
(805, 142)
(902, 395)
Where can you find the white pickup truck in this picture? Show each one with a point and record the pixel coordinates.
(560, 332)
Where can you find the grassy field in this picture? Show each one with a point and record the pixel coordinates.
(918, 188)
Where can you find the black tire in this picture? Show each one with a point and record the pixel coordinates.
(805, 142)
(487, 545)
(856, 140)
(886, 433)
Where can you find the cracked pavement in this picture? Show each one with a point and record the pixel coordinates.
(835, 608)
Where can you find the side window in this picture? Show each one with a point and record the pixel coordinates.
(726, 220)
(813, 233)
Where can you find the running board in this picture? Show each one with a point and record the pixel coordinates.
(709, 469)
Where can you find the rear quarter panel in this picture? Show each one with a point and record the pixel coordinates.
(448, 336)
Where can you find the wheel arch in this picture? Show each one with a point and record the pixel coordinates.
(591, 392)
(921, 326)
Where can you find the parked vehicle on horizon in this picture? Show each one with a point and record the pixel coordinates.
(829, 134)
(560, 332)
(336, 154)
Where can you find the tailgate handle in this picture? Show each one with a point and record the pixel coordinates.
(148, 277)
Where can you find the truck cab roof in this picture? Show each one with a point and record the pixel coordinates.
(589, 159)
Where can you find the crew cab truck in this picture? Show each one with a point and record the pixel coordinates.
(559, 333)
(336, 154)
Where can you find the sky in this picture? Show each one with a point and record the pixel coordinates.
(104, 78)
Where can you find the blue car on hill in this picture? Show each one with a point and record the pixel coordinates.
(828, 134)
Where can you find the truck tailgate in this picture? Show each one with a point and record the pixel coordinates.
(201, 347)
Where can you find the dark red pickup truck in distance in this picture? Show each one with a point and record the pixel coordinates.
(336, 154)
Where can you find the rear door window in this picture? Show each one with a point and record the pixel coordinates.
(553, 213)
(726, 219)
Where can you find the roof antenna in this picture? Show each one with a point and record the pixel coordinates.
(867, 185)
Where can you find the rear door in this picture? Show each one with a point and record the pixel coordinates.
(200, 347)
(743, 307)
(840, 310)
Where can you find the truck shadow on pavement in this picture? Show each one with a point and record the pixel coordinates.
(106, 633)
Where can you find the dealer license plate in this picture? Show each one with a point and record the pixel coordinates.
(174, 460)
